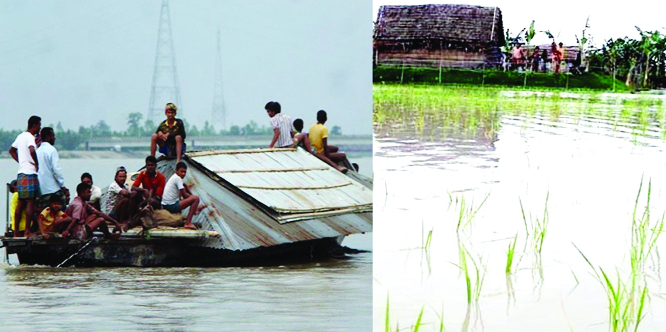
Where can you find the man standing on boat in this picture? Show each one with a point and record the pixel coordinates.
(51, 179)
(152, 181)
(170, 134)
(283, 128)
(24, 151)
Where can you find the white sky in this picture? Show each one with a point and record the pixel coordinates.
(81, 61)
(608, 19)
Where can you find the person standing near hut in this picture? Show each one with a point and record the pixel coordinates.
(283, 129)
(170, 134)
(24, 151)
(518, 57)
(535, 59)
(555, 58)
(560, 55)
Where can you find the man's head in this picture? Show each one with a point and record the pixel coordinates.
(298, 125)
(321, 117)
(83, 191)
(121, 175)
(55, 203)
(181, 169)
(273, 107)
(87, 178)
(34, 124)
(151, 165)
(561, 44)
(170, 111)
(537, 48)
(48, 135)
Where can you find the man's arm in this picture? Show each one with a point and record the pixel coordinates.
(276, 135)
(324, 142)
(12, 152)
(33, 154)
(92, 210)
(57, 172)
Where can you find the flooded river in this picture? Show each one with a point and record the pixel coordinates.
(460, 176)
(331, 295)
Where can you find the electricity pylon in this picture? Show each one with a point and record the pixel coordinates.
(219, 116)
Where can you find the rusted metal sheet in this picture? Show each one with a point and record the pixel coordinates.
(243, 217)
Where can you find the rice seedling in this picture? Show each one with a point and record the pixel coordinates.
(466, 214)
(473, 278)
(417, 325)
(538, 227)
(510, 253)
(644, 235)
(386, 321)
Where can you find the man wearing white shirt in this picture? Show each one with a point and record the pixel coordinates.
(174, 190)
(24, 151)
(283, 128)
(51, 179)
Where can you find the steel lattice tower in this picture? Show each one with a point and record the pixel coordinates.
(218, 115)
(165, 87)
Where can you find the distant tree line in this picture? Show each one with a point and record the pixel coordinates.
(71, 139)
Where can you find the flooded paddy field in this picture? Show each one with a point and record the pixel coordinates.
(518, 211)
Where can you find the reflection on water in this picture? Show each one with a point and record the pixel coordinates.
(556, 172)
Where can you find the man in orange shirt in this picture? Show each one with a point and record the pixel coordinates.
(152, 182)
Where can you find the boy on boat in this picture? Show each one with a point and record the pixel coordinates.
(96, 191)
(318, 137)
(86, 219)
(24, 151)
(152, 181)
(283, 129)
(51, 179)
(53, 219)
(170, 134)
(174, 190)
(300, 137)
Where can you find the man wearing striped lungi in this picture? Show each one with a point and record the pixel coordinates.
(24, 151)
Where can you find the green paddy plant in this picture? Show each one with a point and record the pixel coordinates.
(536, 228)
(510, 254)
(474, 271)
(466, 213)
(644, 234)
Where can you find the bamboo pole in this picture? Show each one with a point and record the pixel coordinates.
(268, 170)
(337, 185)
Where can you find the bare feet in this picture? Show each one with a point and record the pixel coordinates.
(344, 170)
(199, 208)
(190, 226)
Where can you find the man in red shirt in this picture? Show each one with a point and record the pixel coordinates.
(152, 182)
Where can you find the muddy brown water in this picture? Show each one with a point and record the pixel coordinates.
(330, 295)
(591, 174)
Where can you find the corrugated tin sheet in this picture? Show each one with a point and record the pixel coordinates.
(291, 182)
(244, 221)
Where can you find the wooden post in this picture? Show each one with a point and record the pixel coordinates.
(440, 71)
(402, 73)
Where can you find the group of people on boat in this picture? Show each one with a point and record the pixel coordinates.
(288, 134)
(40, 203)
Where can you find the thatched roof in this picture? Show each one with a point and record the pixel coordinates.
(453, 23)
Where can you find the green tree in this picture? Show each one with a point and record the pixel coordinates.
(234, 130)
(336, 130)
(194, 131)
(133, 121)
(250, 128)
(149, 127)
(102, 129)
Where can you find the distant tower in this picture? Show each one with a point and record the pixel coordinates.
(165, 87)
(219, 115)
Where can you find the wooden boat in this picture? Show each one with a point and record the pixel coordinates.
(264, 206)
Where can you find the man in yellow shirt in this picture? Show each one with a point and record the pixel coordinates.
(318, 136)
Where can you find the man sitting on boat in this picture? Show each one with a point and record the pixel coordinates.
(86, 219)
(96, 195)
(53, 219)
(51, 179)
(118, 190)
(170, 135)
(152, 182)
(300, 137)
(174, 190)
(283, 130)
(318, 137)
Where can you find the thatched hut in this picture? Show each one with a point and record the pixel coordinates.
(438, 35)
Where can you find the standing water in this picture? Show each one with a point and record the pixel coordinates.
(331, 295)
(507, 211)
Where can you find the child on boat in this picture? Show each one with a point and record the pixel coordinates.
(52, 219)
(170, 134)
(283, 130)
(174, 190)
(300, 137)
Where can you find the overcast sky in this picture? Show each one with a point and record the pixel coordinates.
(82, 61)
(608, 19)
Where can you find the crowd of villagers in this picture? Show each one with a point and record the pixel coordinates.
(41, 204)
(538, 60)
